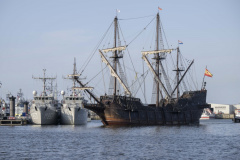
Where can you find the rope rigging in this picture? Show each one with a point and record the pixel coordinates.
(130, 55)
(94, 51)
(144, 77)
(119, 42)
(164, 68)
(137, 17)
(186, 62)
(96, 75)
(141, 31)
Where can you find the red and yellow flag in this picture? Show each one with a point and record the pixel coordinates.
(159, 8)
(207, 73)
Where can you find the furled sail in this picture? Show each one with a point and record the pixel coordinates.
(114, 49)
(155, 76)
(159, 51)
(114, 73)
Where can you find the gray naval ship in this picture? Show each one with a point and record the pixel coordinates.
(43, 110)
(72, 111)
(20, 104)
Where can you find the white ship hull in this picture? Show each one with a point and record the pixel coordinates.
(203, 116)
(73, 116)
(207, 114)
(42, 115)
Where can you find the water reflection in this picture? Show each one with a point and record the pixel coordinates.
(95, 141)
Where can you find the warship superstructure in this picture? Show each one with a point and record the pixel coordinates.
(72, 111)
(170, 108)
(4, 106)
(43, 110)
(19, 103)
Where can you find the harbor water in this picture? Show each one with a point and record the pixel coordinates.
(211, 139)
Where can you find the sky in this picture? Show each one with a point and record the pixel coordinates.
(37, 35)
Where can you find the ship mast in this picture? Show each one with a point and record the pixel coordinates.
(178, 70)
(74, 73)
(157, 59)
(113, 68)
(115, 54)
(114, 73)
(159, 54)
(179, 81)
(44, 79)
(153, 71)
(177, 73)
(73, 76)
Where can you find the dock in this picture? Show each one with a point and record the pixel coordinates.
(224, 116)
(13, 122)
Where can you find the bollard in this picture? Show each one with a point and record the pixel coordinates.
(12, 106)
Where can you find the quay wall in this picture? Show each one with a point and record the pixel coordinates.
(224, 116)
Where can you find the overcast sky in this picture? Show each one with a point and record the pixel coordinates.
(49, 34)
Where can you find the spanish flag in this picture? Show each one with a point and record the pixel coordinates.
(207, 73)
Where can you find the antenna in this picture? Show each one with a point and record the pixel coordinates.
(73, 77)
(44, 79)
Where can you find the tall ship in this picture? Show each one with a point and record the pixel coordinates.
(44, 107)
(170, 106)
(72, 111)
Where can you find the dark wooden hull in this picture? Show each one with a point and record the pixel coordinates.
(188, 110)
(142, 117)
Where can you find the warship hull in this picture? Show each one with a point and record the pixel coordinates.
(122, 111)
(42, 115)
(73, 116)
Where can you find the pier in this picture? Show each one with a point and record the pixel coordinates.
(224, 116)
(13, 122)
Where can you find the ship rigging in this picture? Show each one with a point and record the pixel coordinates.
(118, 107)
